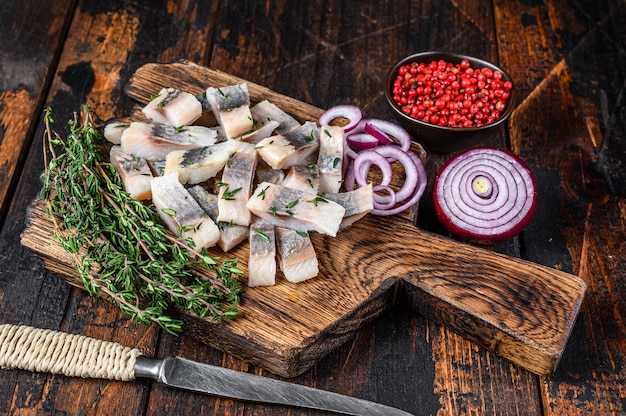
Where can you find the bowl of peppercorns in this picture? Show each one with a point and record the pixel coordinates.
(449, 101)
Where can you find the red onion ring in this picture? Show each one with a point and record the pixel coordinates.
(380, 135)
(364, 162)
(412, 188)
(485, 194)
(387, 128)
(350, 112)
(362, 140)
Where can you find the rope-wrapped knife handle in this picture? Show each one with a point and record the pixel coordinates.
(49, 351)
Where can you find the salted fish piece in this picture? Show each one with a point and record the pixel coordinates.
(231, 107)
(295, 147)
(357, 203)
(157, 167)
(261, 130)
(292, 208)
(181, 213)
(262, 258)
(265, 111)
(153, 141)
(265, 173)
(296, 255)
(231, 235)
(303, 177)
(330, 158)
(236, 185)
(114, 129)
(134, 172)
(173, 107)
(200, 164)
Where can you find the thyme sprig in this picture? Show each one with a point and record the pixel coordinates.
(122, 248)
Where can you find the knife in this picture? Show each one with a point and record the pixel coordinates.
(49, 351)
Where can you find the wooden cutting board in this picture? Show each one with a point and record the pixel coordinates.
(519, 310)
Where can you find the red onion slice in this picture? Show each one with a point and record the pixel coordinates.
(350, 112)
(388, 129)
(485, 194)
(362, 140)
(380, 135)
(412, 188)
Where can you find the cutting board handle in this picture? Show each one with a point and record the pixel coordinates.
(519, 310)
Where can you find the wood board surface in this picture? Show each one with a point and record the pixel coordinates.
(520, 310)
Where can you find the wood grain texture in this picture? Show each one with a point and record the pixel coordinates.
(574, 114)
(567, 58)
(521, 311)
(24, 72)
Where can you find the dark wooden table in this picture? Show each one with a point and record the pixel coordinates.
(568, 59)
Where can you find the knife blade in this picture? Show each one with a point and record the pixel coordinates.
(44, 350)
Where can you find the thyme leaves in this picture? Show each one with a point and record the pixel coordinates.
(123, 251)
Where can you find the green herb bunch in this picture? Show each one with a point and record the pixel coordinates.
(121, 246)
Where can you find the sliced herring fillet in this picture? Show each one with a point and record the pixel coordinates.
(262, 259)
(262, 130)
(114, 129)
(265, 111)
(173, 107)
(295, 147)
(181, 213)
(305, 178)
(134, 172)
(231, 107)
(199, 164)
(296, 255)
(157, 167)
(153, 141)
(357, 203)
(265, 173)
(330, 158)
(236, 185)
(231, 235)
(291, 208)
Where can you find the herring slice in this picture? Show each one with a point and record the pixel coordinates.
(236, 185)
(295, 147)
(296, 255)
(199, 164)
(231, 235)
(134, 172)
(153, 141)
(181, 213)
(261, 130)
(330, 158)
(231, 107)
(291, 208)
(267, 111)
(114, 129)
(305, 178)
(173, 107)
(357, 203)
(262, 258)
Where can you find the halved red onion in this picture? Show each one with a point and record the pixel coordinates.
(347, 111)
(362, 140)
(485, 194)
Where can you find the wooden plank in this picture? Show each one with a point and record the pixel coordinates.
(574, 121)
(104, 41)
(521, 311)
(21, 96)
